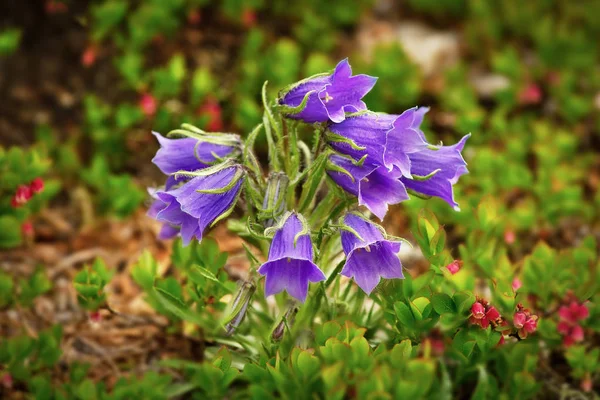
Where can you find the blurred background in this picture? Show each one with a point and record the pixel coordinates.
(82, 84)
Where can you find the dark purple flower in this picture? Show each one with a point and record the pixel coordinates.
(190, 153)
(332, 95)
(290, 266)
(451, 165)
(370, 257)
(385, 139)
(374, 185)
(198, 203)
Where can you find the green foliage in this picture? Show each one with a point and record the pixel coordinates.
(89, 284)
(9, 41)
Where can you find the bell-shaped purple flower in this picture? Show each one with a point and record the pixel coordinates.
(290, 266)
(450, 165)
(374, 185)
(369, 257)
(331, 95)
(198, 203)
(385, 139)
(193, 153)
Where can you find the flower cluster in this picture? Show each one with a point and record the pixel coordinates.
(524, 321)
(24, 193)
(380, 157)
(569, 326)
(484, 315)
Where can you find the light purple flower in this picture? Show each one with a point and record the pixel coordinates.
(374, 185)
(449, 160)
(385, 139)
(290, 266)
(197, 203)
(370, 257)
(332, 96)
(190, 154)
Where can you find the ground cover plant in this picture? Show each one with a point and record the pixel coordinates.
(299, 200)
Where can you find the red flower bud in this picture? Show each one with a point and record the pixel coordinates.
(88, 57)
(454, 266)
(248, 17)
(516, 284)
(148, 104)
(563, 328)
(492, 314)
(530, 325)
(509, 237)
(27, 229)
(530, 94)
(519, 319)
(478, 310)
(577, 333)
(37, 185)
(22, 195)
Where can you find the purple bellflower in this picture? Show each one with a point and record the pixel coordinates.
(330, 96)
(198, 203)
(450, 165)
(369, 257)
(374, 185)
(385, 139)
(193, 153)
(290, 265)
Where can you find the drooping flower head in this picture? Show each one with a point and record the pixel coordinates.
(449, 164)
(193, 153)
(369, 257)
(203, 200)
(374, 185)
(290, 265)
(330, 96)
(385, 139)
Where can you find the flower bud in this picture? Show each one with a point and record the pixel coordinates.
(492, 314)
(27, 229)
(22, 195)
(454, 266)
(519, 319)
(516, 284)
(478, 310)
(239, 306)
(274, 200)
(37, 185)
(288, 318)
(148, 104)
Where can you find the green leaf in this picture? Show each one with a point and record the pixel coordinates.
(404, 315)
(443, 304)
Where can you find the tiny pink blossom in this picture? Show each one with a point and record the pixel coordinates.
(509, 237)
(516, 284)
(454, 266)
(577, 334)
(88, 57)
(148, 104)
(27, 229)
(37, 185)
(478, 310)
(519, 319)
(530, 94)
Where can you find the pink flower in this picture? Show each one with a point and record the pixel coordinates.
(248, 18)
(574, 312)
(7, 381)
(530, 94)
(454, 266)
(509, 237)
(211, 109)
(587, 384)
(22, 195)
(148, 104)
(478, 310)
(27, 228)
(519, 319)
(569, 324)
(577, 333)
(483, 314)
(516, 284)
(37, 185)
(88, 57)
(95, 316)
